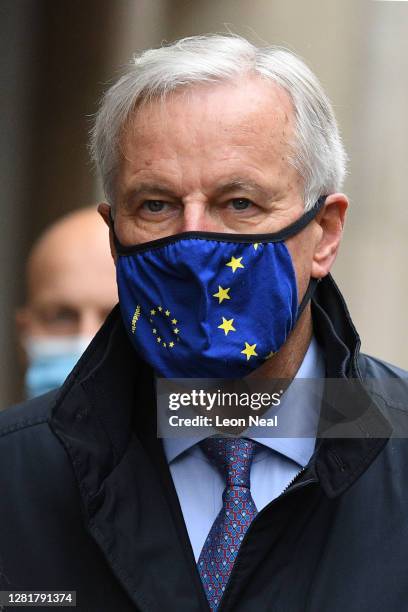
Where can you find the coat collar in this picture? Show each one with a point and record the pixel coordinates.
(340, 461)
(105, 417)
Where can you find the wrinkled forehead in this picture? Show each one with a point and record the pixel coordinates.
(250, 106)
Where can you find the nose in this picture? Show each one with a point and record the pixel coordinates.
(197, 218)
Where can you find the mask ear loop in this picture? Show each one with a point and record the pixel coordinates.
(293, 230)
(116, 242)
(111, 221)
(311, 288)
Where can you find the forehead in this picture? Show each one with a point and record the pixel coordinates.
(249, 112)
(72, 264)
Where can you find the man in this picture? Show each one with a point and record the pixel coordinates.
(70, 289)
(217, 158)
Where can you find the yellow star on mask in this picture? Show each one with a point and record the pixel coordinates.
(249, 351)
(235, 263)
(222, 294)
(167, 313)
(256, 245)
(171, 344)
(174, 321)
(227, 325)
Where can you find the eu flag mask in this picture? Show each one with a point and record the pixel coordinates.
(210, 305)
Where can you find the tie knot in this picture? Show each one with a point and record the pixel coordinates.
(232, 456)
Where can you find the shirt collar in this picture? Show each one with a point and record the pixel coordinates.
(299, 449)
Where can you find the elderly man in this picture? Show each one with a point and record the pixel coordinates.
(222, 165)
(70, 289)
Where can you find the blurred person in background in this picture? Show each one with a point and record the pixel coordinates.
(222, 165)
(70, 289)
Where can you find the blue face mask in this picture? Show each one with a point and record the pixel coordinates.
(50, 361)
(209, 305)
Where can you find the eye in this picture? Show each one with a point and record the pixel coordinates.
(65, 314)
(59, 315)
(154, 206)
(241, 203)
(59, 318)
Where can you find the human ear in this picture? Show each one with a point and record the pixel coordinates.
(105, 211)
(331, 222)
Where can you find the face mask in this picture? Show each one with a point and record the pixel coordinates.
(210, 305)
(51, 359)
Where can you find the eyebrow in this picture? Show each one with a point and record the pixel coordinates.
(244, 184)
(150, 189)
(233, 184)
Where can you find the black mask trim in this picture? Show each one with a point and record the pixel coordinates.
(311, 288)
(283, 234)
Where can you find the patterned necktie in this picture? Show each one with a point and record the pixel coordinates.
(233, 457)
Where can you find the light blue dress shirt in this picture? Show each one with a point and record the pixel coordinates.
(200, 485)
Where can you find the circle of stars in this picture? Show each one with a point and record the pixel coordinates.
(166, 314)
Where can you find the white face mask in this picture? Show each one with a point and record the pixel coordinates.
(50, 361)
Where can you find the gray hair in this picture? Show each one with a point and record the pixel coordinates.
(318, 152)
